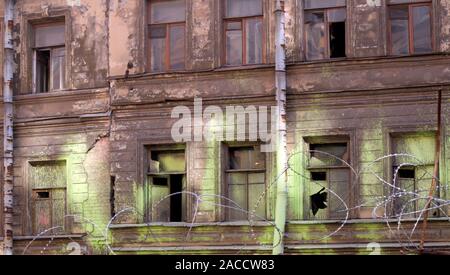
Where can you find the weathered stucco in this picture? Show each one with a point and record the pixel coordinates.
(113, 108)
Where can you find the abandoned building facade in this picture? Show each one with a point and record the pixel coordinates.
(96, 165)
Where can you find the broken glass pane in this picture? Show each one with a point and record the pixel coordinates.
(328, 154)
(242, 158)
(167, 11)
(399, 30)
(315, 35)
(422, 29)
(170, 161)
(243, 8)
(254, 35)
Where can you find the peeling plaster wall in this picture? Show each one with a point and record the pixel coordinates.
(203, 34)
(368, 34)
(87, 32)
(363, 94)
(443, 12)
(124, 41)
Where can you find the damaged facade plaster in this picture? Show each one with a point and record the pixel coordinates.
(112, 110)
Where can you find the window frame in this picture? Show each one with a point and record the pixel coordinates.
(149, 175)
(51, 49)
(410, 6)
(351, 196)
(389, 166)
(226, 177)
(168, 25)
(327, 33)
(225, 20)
(34, 188)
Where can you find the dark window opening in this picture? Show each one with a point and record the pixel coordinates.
(406, 173)
(325, 33)
(42, 71)
(43, 194)
(176, 200)
(166, 182)
(160, 181)
(112, 197)
(319, 176)
(337, 39)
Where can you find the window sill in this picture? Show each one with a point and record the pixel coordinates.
(30, 238)
(189, 225)
(381, 58)
(170, 74)
(360, 221)
(62, 93)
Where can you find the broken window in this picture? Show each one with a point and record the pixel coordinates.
(244, 32)
(166, 184)
(325, 29)
(166, 35)
(246, 175)
(49, 58)
(48, 181)
(328, 171)
(410, 28)
(414, 173)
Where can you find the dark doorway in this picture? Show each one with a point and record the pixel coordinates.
(176, 201)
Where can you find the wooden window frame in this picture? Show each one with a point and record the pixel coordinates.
(228, 172)
(51, 49)
(242, 20)
(392, 133)
(168, 25)
(148, 201)
(50, 198)
(410, 26)
(327, 168)
(327, 33)
(34, 188)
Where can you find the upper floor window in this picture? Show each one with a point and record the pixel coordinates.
(325, 29)
(49, 57)
(244, 32)
(166, 35)
(410, 28)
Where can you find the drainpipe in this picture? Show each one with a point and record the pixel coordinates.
(281, 152)
(8, 159)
